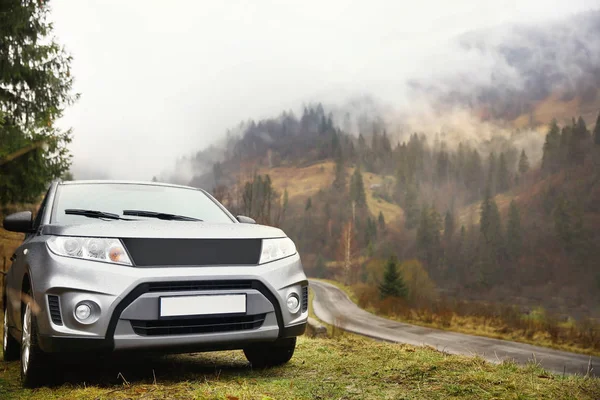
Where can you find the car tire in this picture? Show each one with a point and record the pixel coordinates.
(263, 355)
(10, 346)
(35, 365)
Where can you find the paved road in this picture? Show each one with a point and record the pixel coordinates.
(332, 306)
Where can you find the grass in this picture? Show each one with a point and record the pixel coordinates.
(348, 367)
(475, 325)
(303, 182)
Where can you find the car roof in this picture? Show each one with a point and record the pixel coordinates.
(124, 182)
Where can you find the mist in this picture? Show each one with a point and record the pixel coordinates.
(160, 83)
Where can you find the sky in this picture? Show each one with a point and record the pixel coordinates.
(163, 79)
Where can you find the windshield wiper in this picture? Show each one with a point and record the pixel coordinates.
(153, 214)
(94, 214)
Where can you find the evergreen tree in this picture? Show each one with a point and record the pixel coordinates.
(474, 173)
(308, 204)
(551, 156)
(357, 189)
(35, 88)
(514, 239)
(490, 225)
(567, 223)
(428, 235)
(492, 177)
(393, 282)
(320, 267)
(381, 222)
(523, 163)
(579, 142)
(491, 239)
(597, 131)
(339, 181)
(411, 207)
(503, 177)
(448, 226)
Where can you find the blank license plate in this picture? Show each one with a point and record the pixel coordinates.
(202, 305)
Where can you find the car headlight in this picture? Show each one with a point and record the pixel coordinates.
(97, 249)
(275, 249)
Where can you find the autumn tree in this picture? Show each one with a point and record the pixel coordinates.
(346, 253)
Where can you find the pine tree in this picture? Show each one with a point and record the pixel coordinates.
(308, 205)
(357, 189)
(492, 177)
(563, 222)
(448, 226)
(339, 181)
(35, 89)
(503, 177)
(551, 156)
(579, 142)
(514, 239)
(381, 222)
(320, 267)
(393, 282)
(428, 235)
(523, 163)
(411, 207)
(490, 225)
(597, 131)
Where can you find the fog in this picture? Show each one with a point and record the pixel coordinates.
(160, 80)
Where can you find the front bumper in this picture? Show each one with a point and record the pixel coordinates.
(127, 299)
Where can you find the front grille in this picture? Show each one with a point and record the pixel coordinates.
(190, 326)
(198, 285)
(151, 252)
(304, 298)
(54, 306)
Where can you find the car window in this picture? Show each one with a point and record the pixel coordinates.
(116, 197)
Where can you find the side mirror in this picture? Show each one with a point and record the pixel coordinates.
(19, 222)
(245, 220)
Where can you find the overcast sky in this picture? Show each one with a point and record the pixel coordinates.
(162, 79)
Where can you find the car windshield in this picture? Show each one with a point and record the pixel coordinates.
(116, 197)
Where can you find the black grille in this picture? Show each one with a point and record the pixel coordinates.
(149, 252)
(198, 285)
(54, 306)
(304, 298)
(197, 325)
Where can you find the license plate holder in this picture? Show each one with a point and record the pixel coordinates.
(201, 305)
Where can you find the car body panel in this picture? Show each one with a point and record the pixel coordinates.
(118, 290)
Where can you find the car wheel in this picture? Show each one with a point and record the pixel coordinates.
(34, 363)
(10, 347)
(263, 355)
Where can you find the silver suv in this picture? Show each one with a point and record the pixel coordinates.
(118, 266)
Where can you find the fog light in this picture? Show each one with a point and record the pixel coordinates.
(83, 312)
(293, 302)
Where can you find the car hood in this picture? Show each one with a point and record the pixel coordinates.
(165, 229)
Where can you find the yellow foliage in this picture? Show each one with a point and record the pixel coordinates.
(421, 288)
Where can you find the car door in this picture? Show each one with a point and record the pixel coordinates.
(18, 269)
